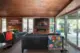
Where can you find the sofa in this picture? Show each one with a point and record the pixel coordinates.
(35, 41)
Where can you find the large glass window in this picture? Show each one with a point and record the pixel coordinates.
(0, 25)
(60, 25)
(79, 28)
(51, 25)
(24, 24)
(70, 24)
(72, 30)
(4, 25)
(79, 32)
(28, 25)
(31, 25)
(73, 23)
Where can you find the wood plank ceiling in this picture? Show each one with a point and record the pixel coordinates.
(32, 8)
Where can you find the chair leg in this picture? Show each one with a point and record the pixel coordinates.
(64, 51)
(22, 50)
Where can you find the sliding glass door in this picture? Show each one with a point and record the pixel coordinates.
(72, 30)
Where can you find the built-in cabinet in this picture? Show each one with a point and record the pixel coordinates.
(14, 23)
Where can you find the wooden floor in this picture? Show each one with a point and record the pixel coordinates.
(17, 49)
